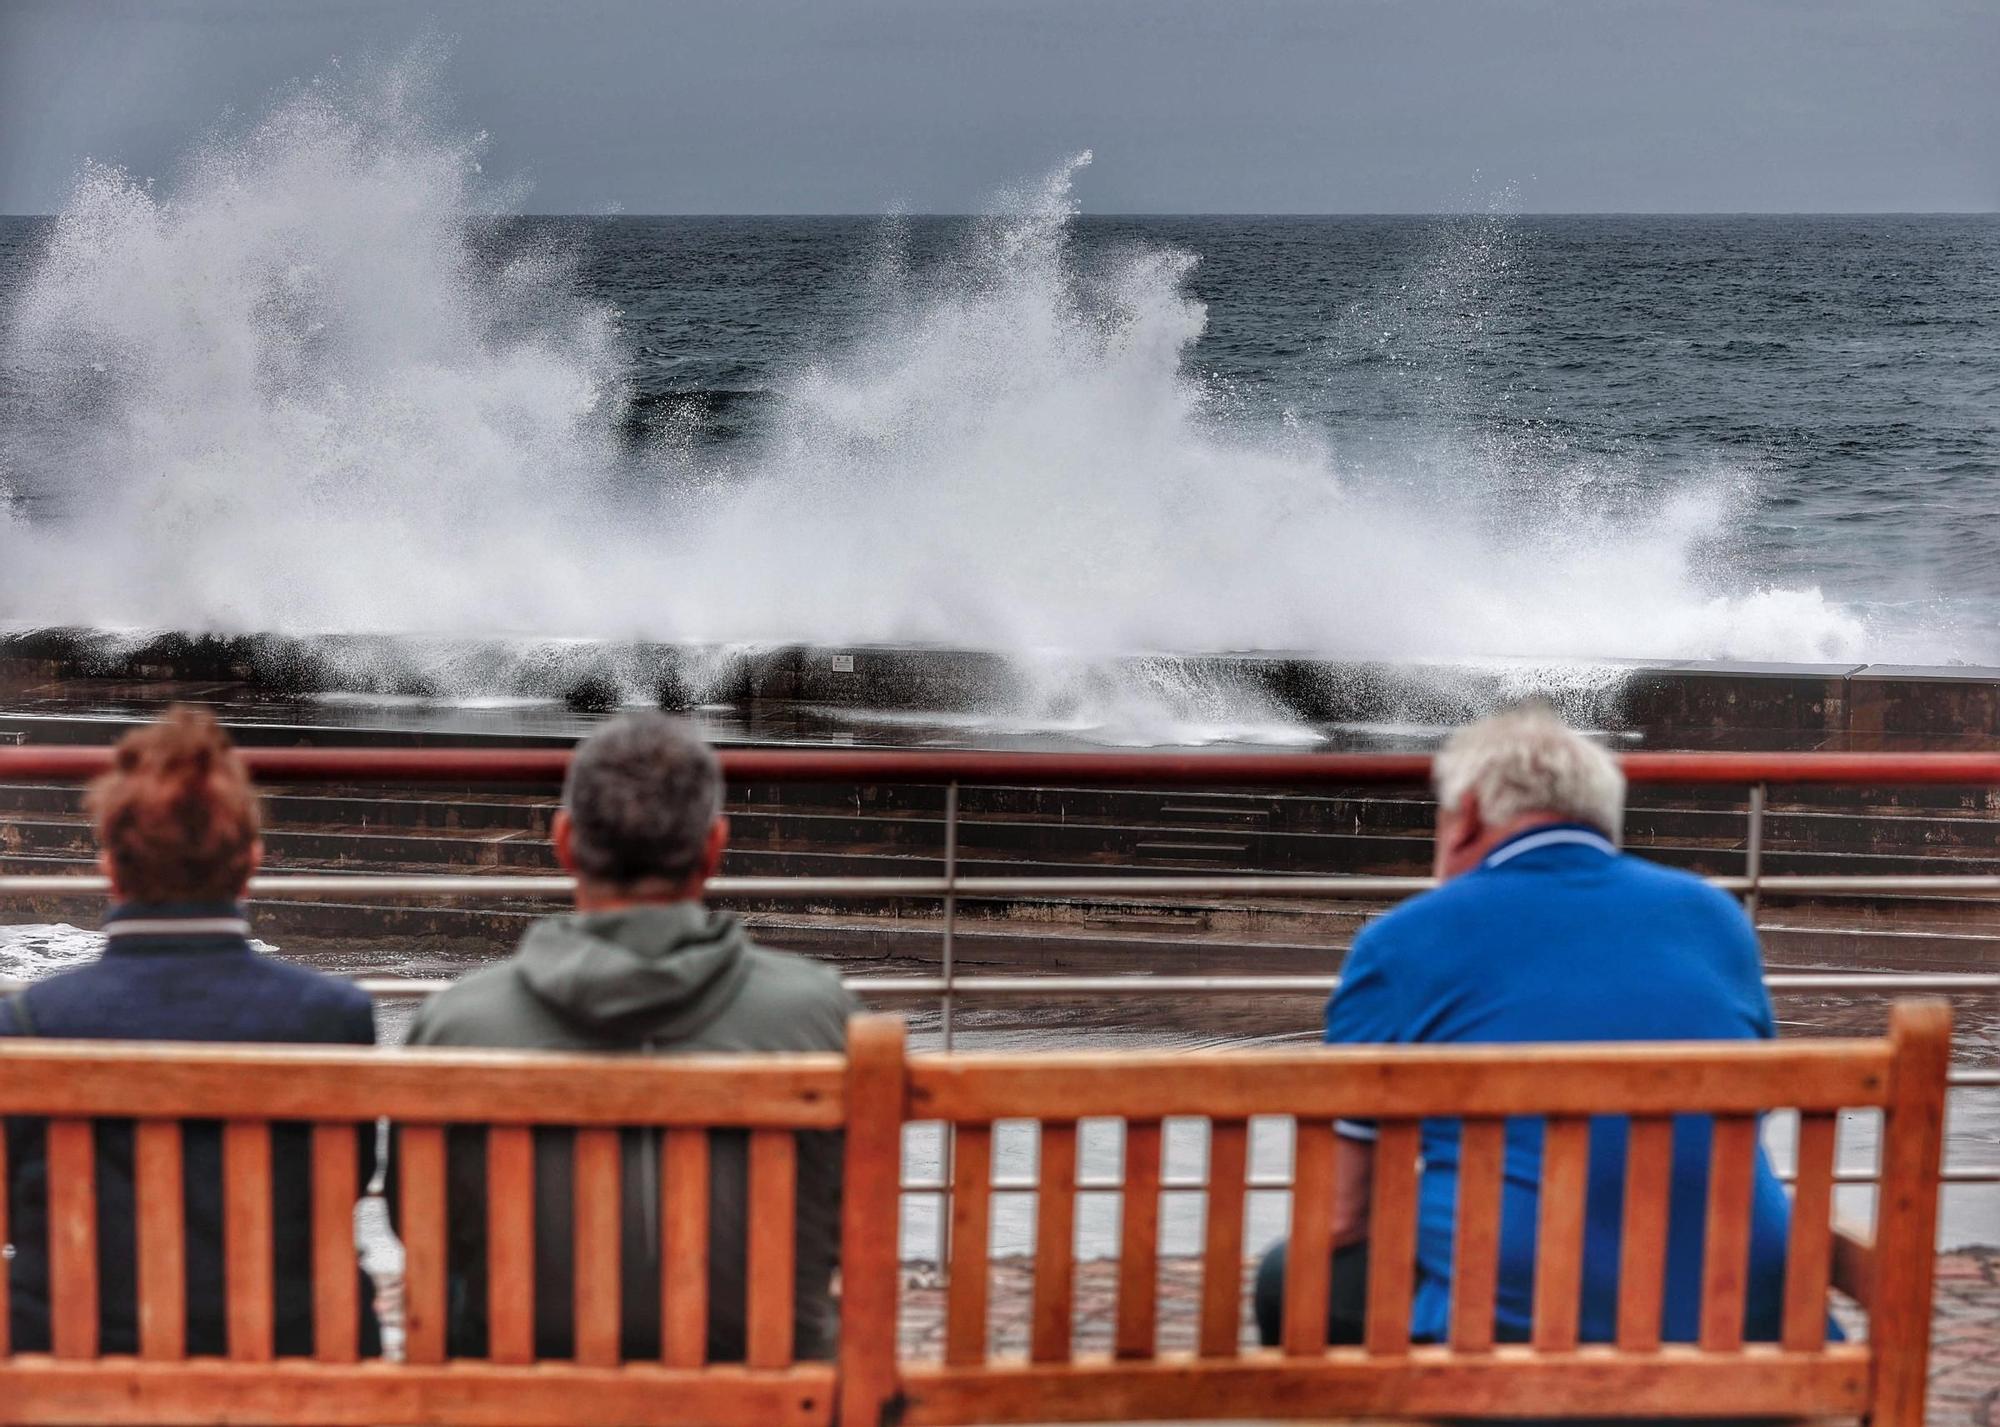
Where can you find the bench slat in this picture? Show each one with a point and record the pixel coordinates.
(1809, 1253)
(1432, 1383)
(595, 1226)
(1906, 1209)
(336, 1178)
(1222, 1256)
(1392, 1237)
(1139, 1242)
(1642, 1250)
(1309, 1251)
(246, 1238)
(72, 1160)
(772, 1247)
(510, 1244)
(206, 1392)
(971, 1235)
(1559, 1232)
(423, 1183)
(1406, 1082)
(877, 1097)
(684, 1248)
(1725, 1258)
(1475, 1258)
(416, 1086)
(1055, 1244)
(161, 1229)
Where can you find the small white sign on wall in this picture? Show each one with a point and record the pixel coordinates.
(843, 663)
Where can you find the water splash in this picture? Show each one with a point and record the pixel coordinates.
(295, 394)
(31, 951)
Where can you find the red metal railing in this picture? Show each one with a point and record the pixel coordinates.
(811, 765)
(544, 767)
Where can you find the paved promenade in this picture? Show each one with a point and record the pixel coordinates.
(1965, 1352)
(1965, 1341)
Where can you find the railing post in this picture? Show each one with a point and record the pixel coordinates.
(1753, 860)
(947, 1007)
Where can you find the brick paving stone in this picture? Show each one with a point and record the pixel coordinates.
(1965, 1342)
(1965, 1345)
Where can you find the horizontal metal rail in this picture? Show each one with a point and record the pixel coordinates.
(929, 988)
(546, 766)
(37, 884)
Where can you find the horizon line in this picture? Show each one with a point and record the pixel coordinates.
(1273, 213)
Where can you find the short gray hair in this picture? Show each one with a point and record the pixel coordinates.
(642, 793)
(1526, 760)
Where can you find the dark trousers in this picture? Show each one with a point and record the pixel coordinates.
(1347, 1294)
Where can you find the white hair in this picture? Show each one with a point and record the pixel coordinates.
(1525, 760)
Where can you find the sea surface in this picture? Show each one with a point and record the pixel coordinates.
(1487, 435)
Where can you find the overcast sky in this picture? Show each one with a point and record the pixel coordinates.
(854, 106)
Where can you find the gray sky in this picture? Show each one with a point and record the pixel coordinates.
(761, 106)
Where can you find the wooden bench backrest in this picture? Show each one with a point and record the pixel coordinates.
(1469, 1375)
(873, 1093)
(341, 1094)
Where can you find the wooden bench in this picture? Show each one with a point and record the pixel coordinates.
(873, 1093)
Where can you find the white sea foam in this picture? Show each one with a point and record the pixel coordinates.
(30, 951)
(287, 395)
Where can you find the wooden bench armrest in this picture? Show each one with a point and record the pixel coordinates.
(1854, 1263)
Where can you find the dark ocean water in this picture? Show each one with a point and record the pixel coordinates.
(1845, 370)
(1717, 408)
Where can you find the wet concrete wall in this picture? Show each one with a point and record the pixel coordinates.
(1677, 704)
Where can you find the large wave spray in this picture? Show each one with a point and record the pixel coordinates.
(293, 395)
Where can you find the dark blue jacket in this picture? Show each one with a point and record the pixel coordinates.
(181, 972)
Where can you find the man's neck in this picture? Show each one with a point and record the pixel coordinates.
(600, 897)
(1473, 855)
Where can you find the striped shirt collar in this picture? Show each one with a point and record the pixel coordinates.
(1554, 835)
(177, 926)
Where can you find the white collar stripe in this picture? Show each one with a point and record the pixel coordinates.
(179, 926)
(1551, 838)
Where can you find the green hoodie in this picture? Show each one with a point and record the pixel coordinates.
(664, 979)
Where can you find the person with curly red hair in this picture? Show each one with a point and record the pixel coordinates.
(178, 836)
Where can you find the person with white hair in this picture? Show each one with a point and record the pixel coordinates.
(1544, 930)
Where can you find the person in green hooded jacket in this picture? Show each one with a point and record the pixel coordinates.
(642, 966)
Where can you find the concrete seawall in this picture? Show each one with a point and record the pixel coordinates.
(1680, 704)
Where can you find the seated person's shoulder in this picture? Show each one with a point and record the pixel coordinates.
(471, 1009)
(342, 1008)
(1681, 891)
(1444, 911)
(787, 985)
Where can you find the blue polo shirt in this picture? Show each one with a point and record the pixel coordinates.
(1558, 936)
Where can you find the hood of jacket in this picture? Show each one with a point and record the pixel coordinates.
(652, 972)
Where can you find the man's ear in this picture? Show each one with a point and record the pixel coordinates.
(109, 873)
(256, 861)
(559, 834)
(1469, 826)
